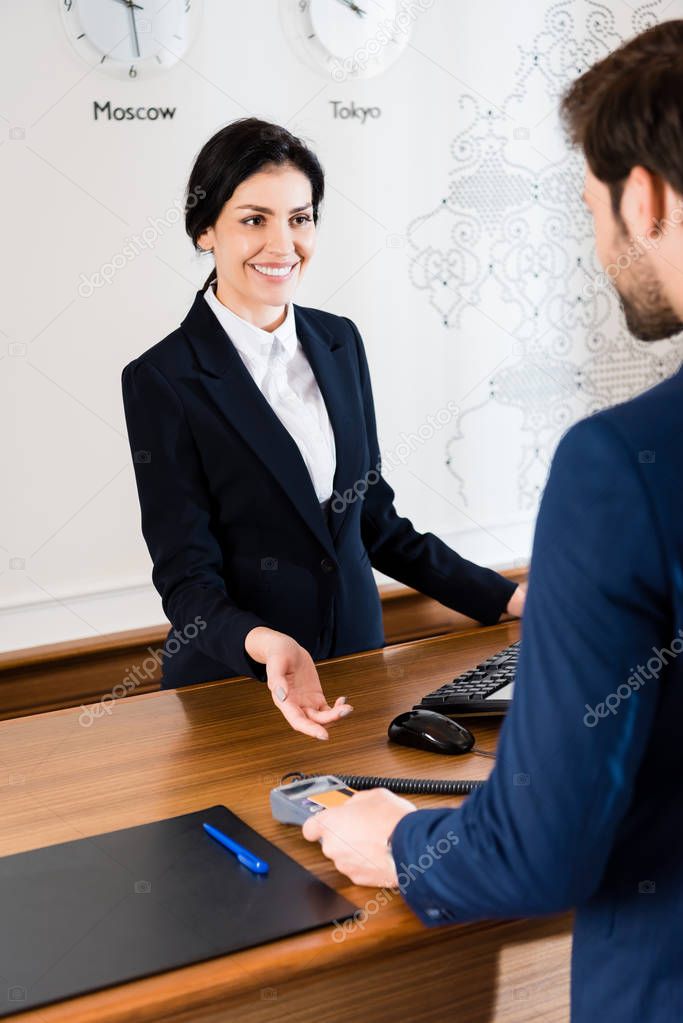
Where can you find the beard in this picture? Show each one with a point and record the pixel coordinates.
(649, 314)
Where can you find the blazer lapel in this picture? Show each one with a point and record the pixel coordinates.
(333, 370)
(229, 384)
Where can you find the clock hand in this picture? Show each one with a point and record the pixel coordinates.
(130, 6)
(353, 7)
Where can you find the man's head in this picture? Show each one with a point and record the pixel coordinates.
(626, 113)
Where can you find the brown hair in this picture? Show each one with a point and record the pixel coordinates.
(627, 110)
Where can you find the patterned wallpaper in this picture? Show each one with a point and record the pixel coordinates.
(511, 236)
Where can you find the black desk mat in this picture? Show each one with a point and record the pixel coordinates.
(100, 911)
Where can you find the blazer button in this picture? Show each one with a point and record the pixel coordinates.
(433, 913)
(327, 565)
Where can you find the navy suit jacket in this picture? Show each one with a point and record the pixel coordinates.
(584, 807)
(231, 517)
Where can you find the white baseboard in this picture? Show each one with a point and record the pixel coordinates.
(500, 546)
(79, 615)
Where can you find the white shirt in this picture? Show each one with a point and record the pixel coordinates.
(279, 368)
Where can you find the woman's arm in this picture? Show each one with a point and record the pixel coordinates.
(174, 503)
(421, 560)
(174, 500)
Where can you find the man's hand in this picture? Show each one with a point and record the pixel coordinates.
(354, 836)
(516, 604)
(293, 682)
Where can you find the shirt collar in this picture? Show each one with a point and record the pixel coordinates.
(252, 342)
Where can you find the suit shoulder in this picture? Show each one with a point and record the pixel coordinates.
(331, 321)
(651, 418)
(634, 431)
(169, 356)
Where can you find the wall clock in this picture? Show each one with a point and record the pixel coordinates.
(131, 38)
(348, 39)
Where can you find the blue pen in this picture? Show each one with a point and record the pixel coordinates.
(247, 859)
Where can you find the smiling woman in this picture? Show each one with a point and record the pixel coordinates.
(251, 242)
(260, 222)
(243, 424)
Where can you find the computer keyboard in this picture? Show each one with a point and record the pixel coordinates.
(486, 689)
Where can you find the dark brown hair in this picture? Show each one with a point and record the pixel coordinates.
(627, 110)
(233, 154)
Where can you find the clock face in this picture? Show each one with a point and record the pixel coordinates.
(131, 38)
(348, 39)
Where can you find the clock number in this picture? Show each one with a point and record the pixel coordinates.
(303, 6)
(133, 73)
(188, 4)
(68, 4)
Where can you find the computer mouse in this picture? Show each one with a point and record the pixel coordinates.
(427, 730)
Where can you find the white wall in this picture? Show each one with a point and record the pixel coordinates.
(468, 116)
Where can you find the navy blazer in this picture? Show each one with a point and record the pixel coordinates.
(584, 807)
(231, 517)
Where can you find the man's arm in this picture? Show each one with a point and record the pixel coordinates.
(421, 560)
(536, 838)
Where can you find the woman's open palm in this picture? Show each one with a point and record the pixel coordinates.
(295, 686)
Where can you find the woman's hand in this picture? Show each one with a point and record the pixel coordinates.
(293, 682)
(516, 604)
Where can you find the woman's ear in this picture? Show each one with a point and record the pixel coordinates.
(205, 240)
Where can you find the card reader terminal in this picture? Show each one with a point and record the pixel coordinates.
(296, 802)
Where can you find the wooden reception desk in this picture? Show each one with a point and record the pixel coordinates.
(158, 755)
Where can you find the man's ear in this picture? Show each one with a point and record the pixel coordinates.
(673, 205)
(642, 201)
